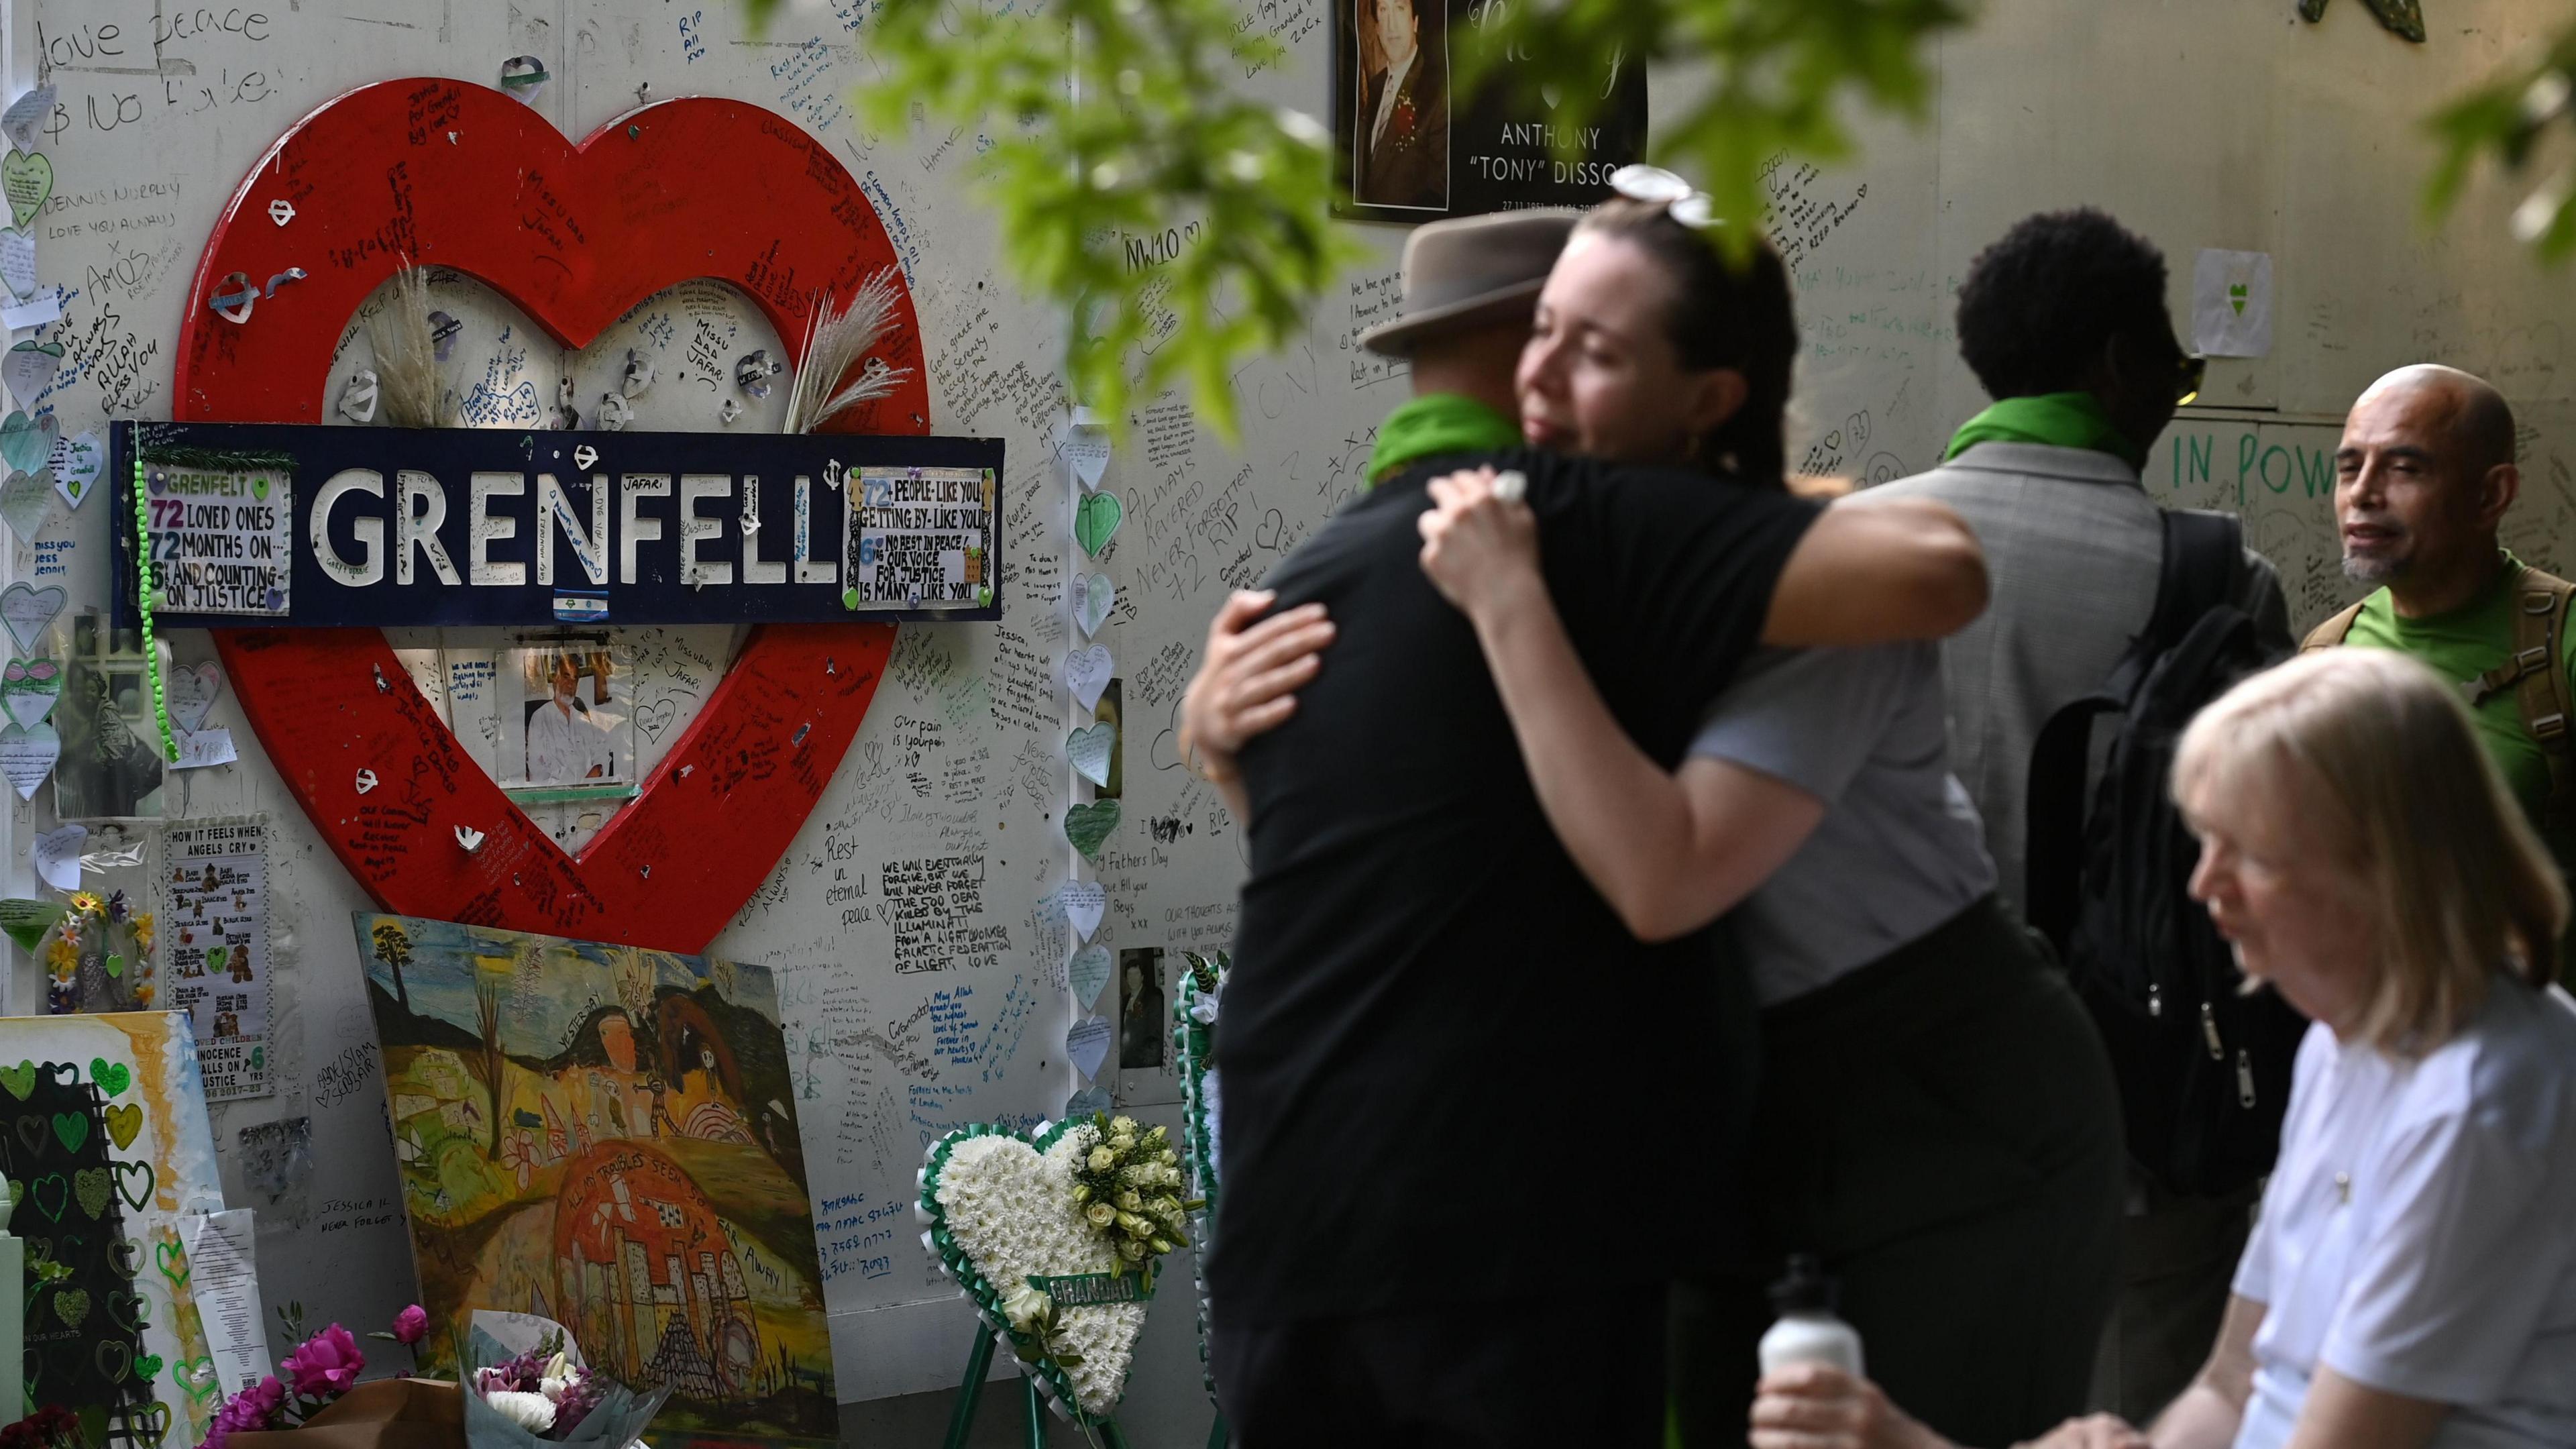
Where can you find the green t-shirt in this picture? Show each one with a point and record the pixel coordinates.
(2460, 646)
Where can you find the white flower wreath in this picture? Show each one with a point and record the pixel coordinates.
(1001, 1211)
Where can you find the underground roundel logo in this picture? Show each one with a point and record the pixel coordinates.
(445, 173)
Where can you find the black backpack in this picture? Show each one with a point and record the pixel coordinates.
(2204, 1069)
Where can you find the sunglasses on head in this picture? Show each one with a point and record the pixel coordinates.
(1656, 186)
(2187, 378)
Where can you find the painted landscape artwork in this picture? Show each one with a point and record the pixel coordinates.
(606, 1136)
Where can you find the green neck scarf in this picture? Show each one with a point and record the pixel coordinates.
(1437, 423)
(2058, 419)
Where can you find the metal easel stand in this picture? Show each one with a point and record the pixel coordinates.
(979, 1362)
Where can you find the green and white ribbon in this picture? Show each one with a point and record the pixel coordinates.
(1194, 1047)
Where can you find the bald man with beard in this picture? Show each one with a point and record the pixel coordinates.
(2423, 477)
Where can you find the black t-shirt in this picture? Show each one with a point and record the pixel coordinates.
(1451, 1075)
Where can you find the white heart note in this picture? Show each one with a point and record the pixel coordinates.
(191, 692)
(58, 854)
(1087, 449)
(27, 611)
(1089, 750)
(1088, 974)
(1087, 1044)
(27, 755)
(1086, 673)
(1092, 597)
(1084, 901)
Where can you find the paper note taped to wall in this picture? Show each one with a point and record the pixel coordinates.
(918, 536)
(221, 539)
(2231, 304)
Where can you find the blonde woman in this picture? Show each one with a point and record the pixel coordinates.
(2412, 1281)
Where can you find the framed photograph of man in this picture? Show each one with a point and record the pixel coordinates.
(1146, 1071)
(111, 766)
(1408, 149)
(566, 724)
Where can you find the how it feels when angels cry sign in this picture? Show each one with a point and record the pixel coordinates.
(284, 524)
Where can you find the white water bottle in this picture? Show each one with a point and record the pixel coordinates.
(1808, 1331)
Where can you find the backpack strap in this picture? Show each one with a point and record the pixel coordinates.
(2203, 567)
(2540, 682)
(2332, 632)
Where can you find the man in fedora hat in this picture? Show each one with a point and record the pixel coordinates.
(1428, 1233)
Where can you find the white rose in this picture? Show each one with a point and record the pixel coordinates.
(532, 1412)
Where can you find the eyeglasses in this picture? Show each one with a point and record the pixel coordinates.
(1656, 186)
(2187, 378)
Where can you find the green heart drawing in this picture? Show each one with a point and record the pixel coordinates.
(125, 1255)
(130, 1310)
(122, 1123)
(1096, 520)
(148, 1366)
(72, 1128)
(172, 1260)
(112, 1077)
(982, 1260)
(114, 1358)
(128, 1170)
(2236, 297)
(197, 1377)
(26, 180)
(20, 1079)
(62, 1187)
(1088, 825)
(149, 1425)
(94, 1188)
(71, 1305)
(216, 956)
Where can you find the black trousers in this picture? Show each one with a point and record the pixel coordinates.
(1541, 1374)
(1941, 1128)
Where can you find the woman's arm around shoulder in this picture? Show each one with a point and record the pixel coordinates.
(1875, 570)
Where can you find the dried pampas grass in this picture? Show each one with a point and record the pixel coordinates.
(836, 342)
(412, 387)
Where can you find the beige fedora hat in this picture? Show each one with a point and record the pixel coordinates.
(1473, 270)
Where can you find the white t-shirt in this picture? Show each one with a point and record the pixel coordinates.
(2419, 1232)
(563, 748)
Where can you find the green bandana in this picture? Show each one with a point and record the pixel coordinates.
(2058, 419)
(1436, 423)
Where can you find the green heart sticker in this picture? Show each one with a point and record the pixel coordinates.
(112, 1077)
(71, 1305)
(115, 966)
(259, 489)
(1088, 825)
(26, 180)
(20, 1079)
(93, 1187)
(1096, 520)
(849, 598)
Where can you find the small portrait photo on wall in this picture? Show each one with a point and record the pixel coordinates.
(1393, 121)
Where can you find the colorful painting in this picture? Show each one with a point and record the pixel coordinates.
(606, 1136)
(107, 1148)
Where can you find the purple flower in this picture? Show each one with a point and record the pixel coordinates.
(411, 1326)
(578, 1401)
(327, 1366)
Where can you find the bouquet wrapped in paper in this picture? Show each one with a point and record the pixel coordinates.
(529, 1389)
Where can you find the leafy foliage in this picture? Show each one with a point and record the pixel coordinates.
(1779, 73)
(1183, 226)
(2508, 119)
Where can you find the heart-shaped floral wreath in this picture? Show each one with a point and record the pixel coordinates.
(1003, 1208)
